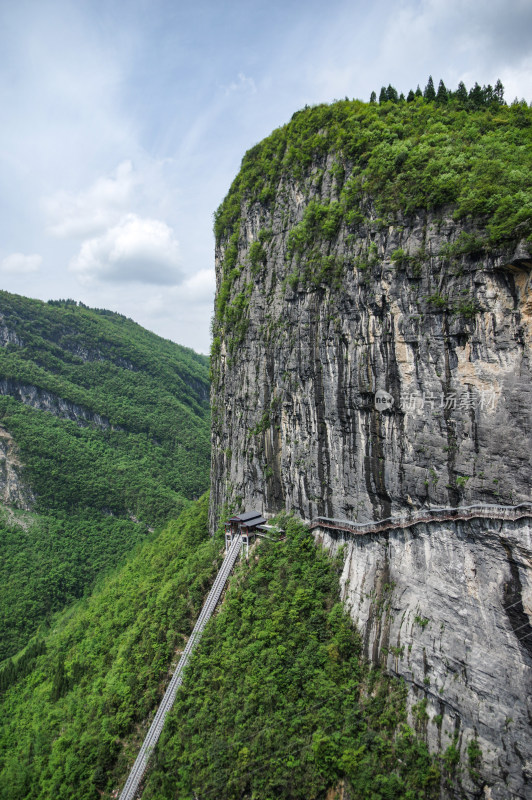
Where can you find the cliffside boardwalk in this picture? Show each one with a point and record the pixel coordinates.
(139, 767)
(482, 511)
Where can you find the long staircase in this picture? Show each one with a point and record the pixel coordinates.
(131, 787)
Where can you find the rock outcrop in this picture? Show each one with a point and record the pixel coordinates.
(43, 400)
(447, 607)
(14, 491)
(296, 423)
(8, 336)
(380, 367)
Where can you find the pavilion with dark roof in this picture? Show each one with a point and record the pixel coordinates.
(247, 525)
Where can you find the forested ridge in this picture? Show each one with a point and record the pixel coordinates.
(111, 427)
(470, 157)
(96, 676)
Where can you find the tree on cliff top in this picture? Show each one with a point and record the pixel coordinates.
(429, 93)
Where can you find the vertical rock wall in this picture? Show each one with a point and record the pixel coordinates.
(296, 425)
(390, 369)
(447, 606)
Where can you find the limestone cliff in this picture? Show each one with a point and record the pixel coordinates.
(14, 491)
(370, 358)
(448, 608)
(298, 423)
(42, 400)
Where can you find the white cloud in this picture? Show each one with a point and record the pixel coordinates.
(94, 210)
(201, 286)
(242, 84)
(135, 250)
(181, 313)
(196, 290)
(20, 263)
(194, 294)
(515, 78)
(166, 92)
(451, 40)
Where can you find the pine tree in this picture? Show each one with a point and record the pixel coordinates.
(391, 93)
(461, 93)
(442, 96)
(430, 92)
(499, 92)
(476, 96)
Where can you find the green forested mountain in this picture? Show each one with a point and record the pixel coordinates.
(64, 725)
(105, 433)
(277, 703)
(388, 162)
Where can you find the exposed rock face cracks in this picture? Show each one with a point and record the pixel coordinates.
(386, 369)
(296, 424)
(13, 490)
(42, 400)
(7, 336)
(448, 607)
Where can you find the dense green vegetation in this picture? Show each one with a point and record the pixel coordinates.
(406, 156)
(136, 451)
(279, 703)
(469, 155)
(63, 723)
(49, 560)
(277, 700)
(477, 97)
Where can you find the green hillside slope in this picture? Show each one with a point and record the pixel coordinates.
(277, 701)
(64, 725)
(111, 426)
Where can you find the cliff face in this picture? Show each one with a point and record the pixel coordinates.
(367, 362)
(297, 423)
(447, 607)
(42, 400)
(14, 491)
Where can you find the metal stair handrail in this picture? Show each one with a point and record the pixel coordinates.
(435, 514)
(138, 769)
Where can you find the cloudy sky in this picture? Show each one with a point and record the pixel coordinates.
(124, 122)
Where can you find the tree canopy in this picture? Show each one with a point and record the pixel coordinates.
(113, 438)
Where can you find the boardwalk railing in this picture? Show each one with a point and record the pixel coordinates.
(486, 511)
(139, 767)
